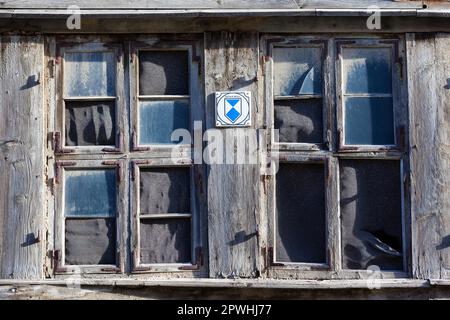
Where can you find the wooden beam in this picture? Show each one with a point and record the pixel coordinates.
(22, 137)
(233, 189)
(429, 98)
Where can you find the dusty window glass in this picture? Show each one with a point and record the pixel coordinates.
(300, 213)
(297, 71)
(165, 240)
(158, 119)
(90, 241)
(165, 215)
(88, 74)
(165, 190)
(298, 94)
(89, 98)
(299, 120)
(163, 72)
(368, 98)
(164, 102)
(90, 211)
(90, 193)
(371, 213)
(90, 123)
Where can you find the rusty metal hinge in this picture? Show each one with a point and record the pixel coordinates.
(119, 168)
(55, 256)
(134, 143)
(57, 144)
(59, 165)
(51, 68)
(119, 147)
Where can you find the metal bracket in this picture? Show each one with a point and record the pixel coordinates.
(59, 165)
(134, 143)
(119, 147)
(56, 144)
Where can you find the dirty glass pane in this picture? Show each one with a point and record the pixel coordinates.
(165, 240)
(158, 119)
(299, 120)
(90, 123)
(165, 190)
(371, 214)
(90, 241)
(90, 193)
(369, 121)
(300, 213)
(163, 72)
(367, 70)
(297, 71)
(89, 74)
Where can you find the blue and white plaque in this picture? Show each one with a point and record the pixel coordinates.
(233, 109)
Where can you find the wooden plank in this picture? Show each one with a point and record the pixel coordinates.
(196, 23)
(209, 4)
(22, 137)
(233, 189)
(152, 4)
(429, 98)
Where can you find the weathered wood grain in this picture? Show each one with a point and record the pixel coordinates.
(167, 23)
(22, 144)
(429, 99)
(233, 189)
(209, 4)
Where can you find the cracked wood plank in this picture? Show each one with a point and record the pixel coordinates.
(21, 157)
(429, 96)
(233, 189)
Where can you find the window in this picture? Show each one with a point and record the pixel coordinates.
(336, 205)
(366, 83)
(126, 191)
(89, 106)
(298, 93)
(87, 224)
(163, 94)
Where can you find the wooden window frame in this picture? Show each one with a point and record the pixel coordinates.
(393, 45)
(194, 89)
(87, 46)
(332, 155)
(59, 260)
(330, 215)
(299, 42)
(168, 155)
(123, 156)
(196, 244)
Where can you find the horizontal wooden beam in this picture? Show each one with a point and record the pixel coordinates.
(198, 25)
(208, 4)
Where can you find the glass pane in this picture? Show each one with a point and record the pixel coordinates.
(158, 119)
(299, 120)
(367, 70)
(371, 214)
(90, 123)
(163, 73)
(90, 193)
(89, 74)
(300, 218)
(369, 121)
(90, 241)
(297, 71)
(165, 190)
(165, 241)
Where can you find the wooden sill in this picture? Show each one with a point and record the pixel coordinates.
(240, 283)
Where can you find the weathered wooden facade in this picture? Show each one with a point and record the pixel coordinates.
(95, 201)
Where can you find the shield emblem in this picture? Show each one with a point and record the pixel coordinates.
(233, 108)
